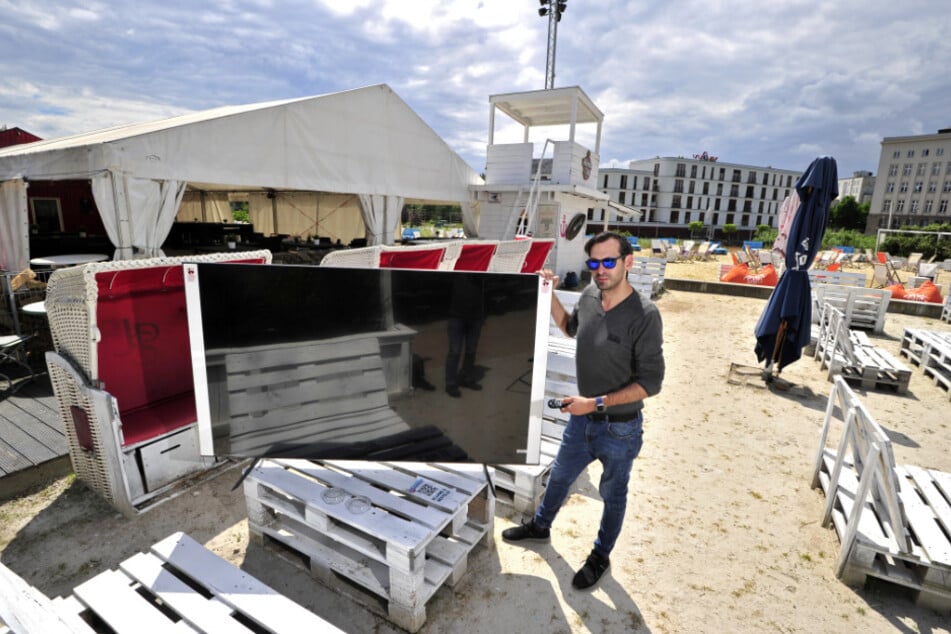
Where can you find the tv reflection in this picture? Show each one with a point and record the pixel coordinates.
(346, 363)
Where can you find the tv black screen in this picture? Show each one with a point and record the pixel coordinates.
(343, 363)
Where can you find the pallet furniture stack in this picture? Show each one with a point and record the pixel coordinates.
(178, 586)
(863, 308)
(647, 276)
(893, 521)
(930, 350)
(839, 278)
(375, 531)
(852, 355)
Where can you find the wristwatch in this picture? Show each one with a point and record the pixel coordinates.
(599, 404)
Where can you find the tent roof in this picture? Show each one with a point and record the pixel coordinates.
(366, 141)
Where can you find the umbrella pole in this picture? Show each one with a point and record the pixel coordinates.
(780, 338)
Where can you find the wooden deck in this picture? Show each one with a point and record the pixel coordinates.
(33, 445)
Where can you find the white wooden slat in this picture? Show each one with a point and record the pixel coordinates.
(244, 593)
(25, 609)
(434, 472)
(395, 480)
(395, 530)
(930, 516)
(205, 615)
(355, 486)
(111, 596)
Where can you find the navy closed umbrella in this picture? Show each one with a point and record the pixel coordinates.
(783, 329)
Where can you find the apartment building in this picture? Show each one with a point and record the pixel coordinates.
(860, 187)
(913, 186)
(672, 192)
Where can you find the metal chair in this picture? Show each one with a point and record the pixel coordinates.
(11, 352)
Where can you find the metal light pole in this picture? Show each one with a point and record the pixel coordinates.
(553, 9)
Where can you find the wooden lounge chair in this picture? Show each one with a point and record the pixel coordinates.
(912, 263)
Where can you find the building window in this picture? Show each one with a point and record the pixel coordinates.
(722, 173)
(716, 219)
(675, 201)
(760, 207)
(681, 170)
(693, 171)
(621, 198)
(736, 176)
(900, 206)
(719, 189)
(932, 187)
(889, 187)
(656, 169)
(678, 185)
(918, 186)
(749, 191)
(947, 187)
(886, 206)
(47, 214)
(911, 154)
(903, 187)
(634, 182)
(689, 202)
(706, 189)
(788, 181)
(924, 152)
(939, 151)
(921, 169)
(729, 219)
(935, 169)
(947, 169)
(893, 170)
(605, 182)
(751, 177)
(734, 190)
(906, 170)
(943, 207)
(745, 220)
(765, 178)
(716, 204)
(647, 182)
(623, 181)
(759, 220)
(928, 205)
(643, 200)
(896, 154)
(690, 187)
(731, 205)
(687, 218)
(674, 217)
(914, 207)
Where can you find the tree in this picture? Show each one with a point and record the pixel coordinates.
(847, 213)
(695, 227)
(729, 230)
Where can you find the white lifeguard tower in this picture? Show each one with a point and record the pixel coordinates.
(542, 189)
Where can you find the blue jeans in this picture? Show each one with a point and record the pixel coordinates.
(615, 445)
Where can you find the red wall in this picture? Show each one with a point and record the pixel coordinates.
(76, 202)
(16, 136)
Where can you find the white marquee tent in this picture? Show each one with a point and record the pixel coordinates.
(365, 142)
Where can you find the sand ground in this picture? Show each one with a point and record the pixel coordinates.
(722, 532)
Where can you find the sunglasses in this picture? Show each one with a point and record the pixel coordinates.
(608, 263)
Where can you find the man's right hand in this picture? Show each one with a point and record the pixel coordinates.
(550, 277)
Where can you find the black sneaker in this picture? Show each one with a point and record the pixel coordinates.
(471, 385)
(453, 391)
(591, 571)
(527, 532)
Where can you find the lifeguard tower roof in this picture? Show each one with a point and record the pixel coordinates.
(554, 106)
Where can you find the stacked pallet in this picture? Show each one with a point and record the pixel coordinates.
(853, 356)
(395, 532)
(863, 308)
(893, 521)
(178, 586)
(931, 351)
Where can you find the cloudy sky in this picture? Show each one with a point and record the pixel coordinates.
(760, 83)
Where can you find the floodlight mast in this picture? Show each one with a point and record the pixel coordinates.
(553, 9)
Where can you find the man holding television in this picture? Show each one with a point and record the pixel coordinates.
(620, 362)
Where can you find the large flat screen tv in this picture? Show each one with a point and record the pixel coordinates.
(370, 364)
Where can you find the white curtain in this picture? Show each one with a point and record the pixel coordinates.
(381, 215)
(137, 212)
(14, 226)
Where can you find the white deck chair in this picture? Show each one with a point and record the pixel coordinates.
(912, 264)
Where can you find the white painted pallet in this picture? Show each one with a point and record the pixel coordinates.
(398, 531)
(893, 521)
(178, 586)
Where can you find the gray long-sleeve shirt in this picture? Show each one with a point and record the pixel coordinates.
(618, 347)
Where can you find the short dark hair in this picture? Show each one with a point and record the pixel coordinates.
(626, 248)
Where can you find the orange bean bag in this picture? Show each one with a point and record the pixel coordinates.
(927, 292)
(740, 274)
(898, 291)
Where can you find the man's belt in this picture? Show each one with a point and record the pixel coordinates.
(613, 418)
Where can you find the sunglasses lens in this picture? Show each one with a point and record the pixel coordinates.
(609, 262)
